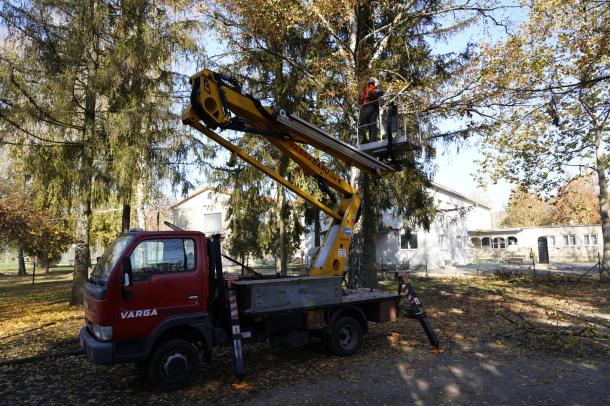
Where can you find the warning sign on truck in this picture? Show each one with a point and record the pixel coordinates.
(341, 252)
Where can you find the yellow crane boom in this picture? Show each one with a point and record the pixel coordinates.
(217, 101)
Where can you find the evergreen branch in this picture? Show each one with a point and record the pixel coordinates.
(45, 116)
(31, 144)
(333, 34)
(30, 134)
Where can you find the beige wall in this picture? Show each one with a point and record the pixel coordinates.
(527, 240)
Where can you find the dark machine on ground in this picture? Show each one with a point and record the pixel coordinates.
(161, 298)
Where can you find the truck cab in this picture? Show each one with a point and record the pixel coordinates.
(146, 288)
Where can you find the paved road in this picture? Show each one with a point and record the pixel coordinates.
(459, 378)
(563, 268)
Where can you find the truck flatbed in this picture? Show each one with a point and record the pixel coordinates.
(292, 294)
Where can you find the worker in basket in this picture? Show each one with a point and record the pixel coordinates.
(369, 110)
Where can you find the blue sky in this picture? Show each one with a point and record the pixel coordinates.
(456, 166)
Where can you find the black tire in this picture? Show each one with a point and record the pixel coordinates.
(345, 337)
(172, 364)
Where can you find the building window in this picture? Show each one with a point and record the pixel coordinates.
(551, 240)
(485, 242)
(590, 239)
(408, 241)
(498, 242)
(476, 242)
(569, 239)
(512, 240)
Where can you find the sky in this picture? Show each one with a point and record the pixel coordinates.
(456, 166)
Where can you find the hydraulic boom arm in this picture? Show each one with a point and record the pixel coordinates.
(217, 101)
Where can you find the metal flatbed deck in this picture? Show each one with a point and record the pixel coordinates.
(294, 294)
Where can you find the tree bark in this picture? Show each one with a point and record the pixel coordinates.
(83, 227)
(82, 257)
(281, 217)
(126, 218)
(21, 260)
(46, 266)
(602, 179)
(362, 252)
(369, 232)
(140, 205)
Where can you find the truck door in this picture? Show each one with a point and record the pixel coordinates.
(167, 280)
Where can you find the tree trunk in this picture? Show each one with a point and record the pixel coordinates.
(21, 260)
(82, 257)
(316, 228)
(34, 269)
(83, 228)
(140, 206)
(126, 218)
(46, 266)
(602, 179)
(281, 217)
(369, 228)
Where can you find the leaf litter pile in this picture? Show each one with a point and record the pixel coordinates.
(515, 316)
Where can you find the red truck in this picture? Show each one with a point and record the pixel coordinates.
(161, 299)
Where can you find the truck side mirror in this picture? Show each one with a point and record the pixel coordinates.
(126, 272)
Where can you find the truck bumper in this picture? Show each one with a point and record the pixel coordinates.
(99, 352)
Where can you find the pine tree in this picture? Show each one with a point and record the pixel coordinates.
(328, 49)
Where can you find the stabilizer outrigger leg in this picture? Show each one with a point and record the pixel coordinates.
(417, 310)
(238, 357)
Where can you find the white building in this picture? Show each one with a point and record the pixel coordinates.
(205, 210)
(557, 243)
(446, 243)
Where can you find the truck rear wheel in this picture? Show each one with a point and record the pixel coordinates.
(345, 337)
(172, 364)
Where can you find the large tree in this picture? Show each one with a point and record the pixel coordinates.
(329, 48)
(548, 88)
(85, 100)
(577, 202)
(527, 209)
(24, 225)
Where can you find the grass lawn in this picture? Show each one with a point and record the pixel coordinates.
(10, 270)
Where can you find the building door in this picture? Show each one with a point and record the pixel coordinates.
(543, 250)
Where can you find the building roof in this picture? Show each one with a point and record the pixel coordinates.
(197, 193)
(445, 189)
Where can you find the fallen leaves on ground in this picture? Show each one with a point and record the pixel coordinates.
(469, 314)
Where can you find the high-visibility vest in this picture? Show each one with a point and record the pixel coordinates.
(367, 93)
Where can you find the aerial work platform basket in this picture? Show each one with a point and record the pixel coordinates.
(393, 139)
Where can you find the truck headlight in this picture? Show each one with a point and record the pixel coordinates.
(102, 332)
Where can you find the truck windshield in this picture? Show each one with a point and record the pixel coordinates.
(109, 258)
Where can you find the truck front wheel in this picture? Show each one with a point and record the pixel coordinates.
(345, 337)
(172, 364)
